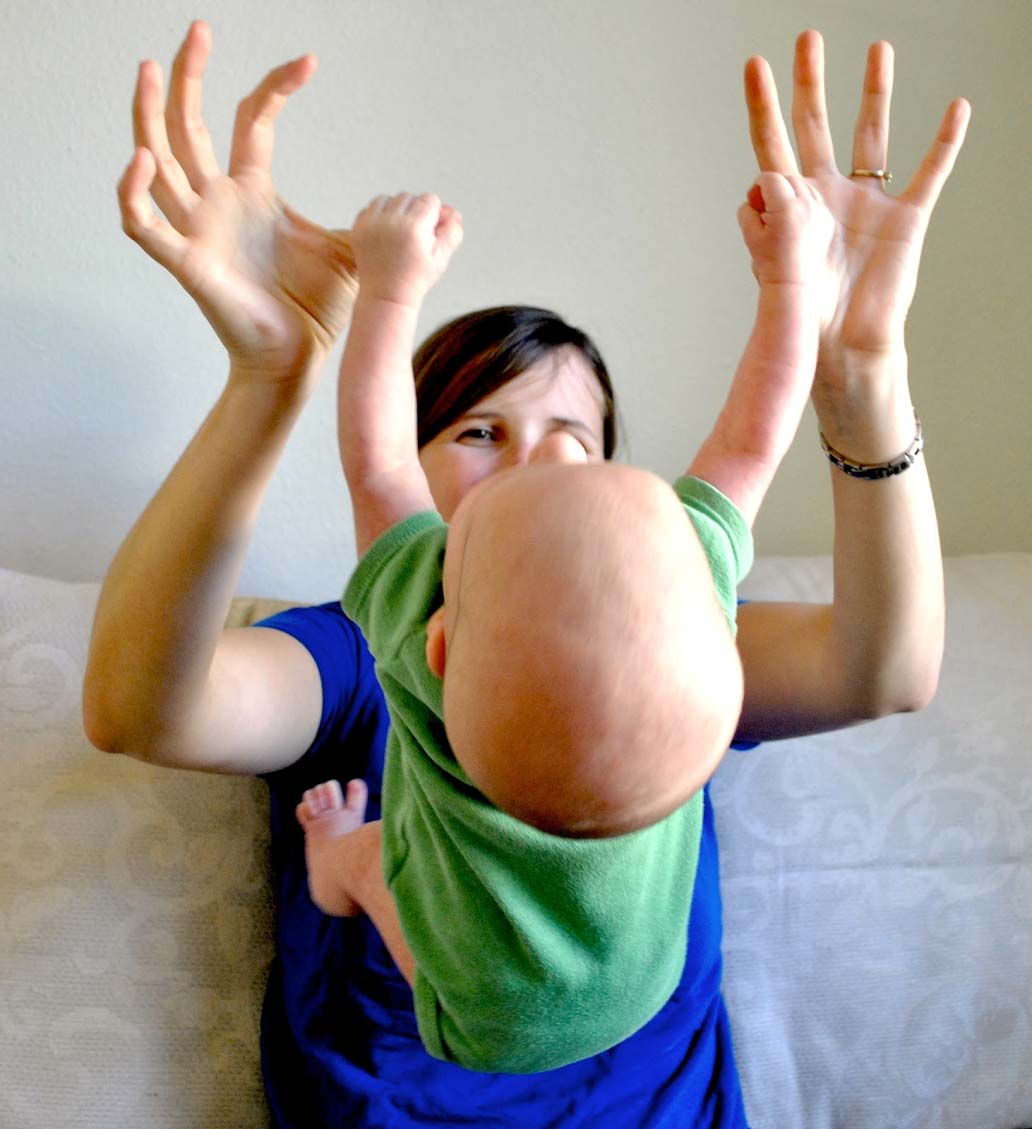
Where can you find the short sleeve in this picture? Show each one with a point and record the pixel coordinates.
(724, 534)
(397, 585)
(353, 720)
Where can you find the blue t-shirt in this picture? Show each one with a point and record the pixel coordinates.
(340, 1048)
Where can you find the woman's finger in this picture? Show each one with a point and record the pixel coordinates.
(871, 136)
(254, 130)
(770, 139)
(927, 183)
(170, 188)
(140, 221)
(187, 133)
(809, 110)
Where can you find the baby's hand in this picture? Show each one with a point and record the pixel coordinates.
(788, 230)
(402, 246)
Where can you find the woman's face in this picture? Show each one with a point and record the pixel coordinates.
(552, 412)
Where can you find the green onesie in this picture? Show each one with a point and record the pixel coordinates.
(531, 950)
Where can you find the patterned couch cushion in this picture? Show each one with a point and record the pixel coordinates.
(135, 921)
(877, 885)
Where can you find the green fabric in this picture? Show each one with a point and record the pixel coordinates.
(531, 950)
(725, 538)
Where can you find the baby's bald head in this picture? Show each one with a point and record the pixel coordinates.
(591, 681)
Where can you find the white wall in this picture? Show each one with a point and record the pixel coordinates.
(598, 151)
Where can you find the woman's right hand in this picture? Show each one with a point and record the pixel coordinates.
(277, 289)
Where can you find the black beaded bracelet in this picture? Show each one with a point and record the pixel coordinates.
(877, 470)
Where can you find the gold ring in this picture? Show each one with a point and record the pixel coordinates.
(878, 174)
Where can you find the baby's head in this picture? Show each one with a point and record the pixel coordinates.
(591, 682)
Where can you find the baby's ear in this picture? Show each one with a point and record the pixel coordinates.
(435, 646)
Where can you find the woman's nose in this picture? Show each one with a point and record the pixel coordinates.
(557, 447)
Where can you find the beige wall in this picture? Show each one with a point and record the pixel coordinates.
(598, 151)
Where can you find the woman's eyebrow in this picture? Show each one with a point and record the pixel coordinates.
(562, 421)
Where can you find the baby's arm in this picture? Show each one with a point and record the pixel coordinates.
(788, 230)
(402, 245)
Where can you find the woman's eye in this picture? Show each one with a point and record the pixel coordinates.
(477, 434)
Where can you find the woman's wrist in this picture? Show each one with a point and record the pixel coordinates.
(263, 400)
(863, 404)
(277, 377)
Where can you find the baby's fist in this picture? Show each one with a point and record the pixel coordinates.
(787, 228)
(403, 244)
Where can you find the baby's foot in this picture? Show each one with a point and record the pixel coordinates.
(328, 819)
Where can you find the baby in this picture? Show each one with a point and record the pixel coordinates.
(592, 679)
(560, 670)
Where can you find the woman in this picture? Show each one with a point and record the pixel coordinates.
(298, 703)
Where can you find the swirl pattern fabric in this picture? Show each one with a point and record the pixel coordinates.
(877, 892)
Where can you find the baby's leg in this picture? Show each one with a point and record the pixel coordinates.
(330, 824)
(345, 874)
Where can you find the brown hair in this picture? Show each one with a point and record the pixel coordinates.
(469, 358)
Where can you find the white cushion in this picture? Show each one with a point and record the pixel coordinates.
(878, 887)
(135, 919)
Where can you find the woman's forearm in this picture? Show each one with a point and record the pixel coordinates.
(889, 607)
(876, 649)
(167, 592)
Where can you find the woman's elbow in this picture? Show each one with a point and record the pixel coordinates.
(100, 722)
(111, 727)
(907, 692)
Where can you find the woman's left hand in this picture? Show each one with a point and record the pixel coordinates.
(874, 255)
(877, 648)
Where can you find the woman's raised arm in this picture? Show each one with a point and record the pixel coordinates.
(164, 682)
(877, 648)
